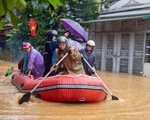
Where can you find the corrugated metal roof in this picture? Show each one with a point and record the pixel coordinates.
(121, 15)
(112, 19)
(127, 13)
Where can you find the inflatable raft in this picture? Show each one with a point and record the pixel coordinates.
(63, 88)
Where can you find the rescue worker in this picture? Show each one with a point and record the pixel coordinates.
(71, 64)
(89, 55)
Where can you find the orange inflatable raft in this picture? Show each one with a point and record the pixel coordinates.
(63, 88)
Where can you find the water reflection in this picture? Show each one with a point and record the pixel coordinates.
(132, 91)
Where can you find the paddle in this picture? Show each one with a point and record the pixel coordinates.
(113, 97)
(26, 96)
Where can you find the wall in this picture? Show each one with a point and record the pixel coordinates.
(120, 45)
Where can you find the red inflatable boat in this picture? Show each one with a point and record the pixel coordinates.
(63, 88)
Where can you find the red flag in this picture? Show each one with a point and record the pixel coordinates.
(33, 26)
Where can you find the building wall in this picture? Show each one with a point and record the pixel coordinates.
(120, 45)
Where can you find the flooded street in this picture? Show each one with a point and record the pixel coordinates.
(133, 104)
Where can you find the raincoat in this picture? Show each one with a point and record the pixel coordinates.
(35, 63)
(90, 57)
(72, 62)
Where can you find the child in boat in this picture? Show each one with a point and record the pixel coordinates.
(72, 62)
(35, 61)
(50, 50)
(88, 54)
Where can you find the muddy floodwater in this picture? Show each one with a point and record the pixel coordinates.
(133, 104)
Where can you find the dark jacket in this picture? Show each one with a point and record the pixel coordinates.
(90, 57)
(49, 55)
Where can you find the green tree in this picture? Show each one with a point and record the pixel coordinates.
(8, 6)
(22, 34)
(44, 17)
(82, 10)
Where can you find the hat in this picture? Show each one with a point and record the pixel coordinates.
(62, 39)
(52, 32)
(91, 43)
(26, 45)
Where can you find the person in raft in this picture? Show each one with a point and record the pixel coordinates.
(35, 61)
(71, 64)
(88, 54)
(50, 50)
(23, 63)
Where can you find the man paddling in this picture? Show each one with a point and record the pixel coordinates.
(72, 63)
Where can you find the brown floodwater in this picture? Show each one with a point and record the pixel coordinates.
(133, 104)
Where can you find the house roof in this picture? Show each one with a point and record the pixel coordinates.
(141, 11)
(123, 4)
(114, 19)
(126, 13)
(127, 8)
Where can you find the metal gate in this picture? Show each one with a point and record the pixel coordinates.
(98, 50)
(109, 52)
(120, 45)
(117, 52)
(124, 53)
(138, 56)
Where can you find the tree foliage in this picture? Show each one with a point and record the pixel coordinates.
(46, 21)
(82, 10)
(7, 7)
(22, 34)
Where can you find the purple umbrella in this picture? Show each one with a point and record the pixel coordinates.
(75, 28)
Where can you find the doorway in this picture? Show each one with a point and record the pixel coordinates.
(117, 52)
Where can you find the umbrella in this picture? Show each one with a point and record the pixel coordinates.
(75, 28)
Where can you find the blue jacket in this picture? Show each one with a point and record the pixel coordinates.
(25, 62)
(53, 46)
